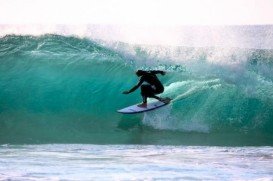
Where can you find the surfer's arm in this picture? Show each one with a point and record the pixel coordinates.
(135, 87)
(158, 72)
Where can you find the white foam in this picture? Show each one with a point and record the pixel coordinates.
(182, 89)
(162, 119)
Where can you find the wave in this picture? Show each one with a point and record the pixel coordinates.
(67, 89)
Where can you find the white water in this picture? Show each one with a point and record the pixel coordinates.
(134, 162)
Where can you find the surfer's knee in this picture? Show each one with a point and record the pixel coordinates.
(144, 89)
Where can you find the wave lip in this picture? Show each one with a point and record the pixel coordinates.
(246, 36)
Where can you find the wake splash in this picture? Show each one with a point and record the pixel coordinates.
(67, 90)
(162, 119)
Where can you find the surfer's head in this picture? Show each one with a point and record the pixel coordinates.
(140, 73)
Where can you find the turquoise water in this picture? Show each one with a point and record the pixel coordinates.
(65, 89)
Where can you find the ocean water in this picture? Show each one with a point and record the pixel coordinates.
(134, 162)
(60, 92)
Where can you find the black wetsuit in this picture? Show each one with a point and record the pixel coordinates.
(153, 87)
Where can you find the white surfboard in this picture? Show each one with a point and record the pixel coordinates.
(150, 106)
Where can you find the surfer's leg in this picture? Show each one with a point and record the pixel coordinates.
(159, 98)
(145, 94)
(144, 102)
(165, 100)
(156, 97)
(155, 92)
(144, 99)
(147, 91)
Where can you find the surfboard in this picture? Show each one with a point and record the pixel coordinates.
(150, 106)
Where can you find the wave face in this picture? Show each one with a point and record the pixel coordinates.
(64, 89)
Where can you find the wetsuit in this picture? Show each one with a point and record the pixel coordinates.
(153, 87)
(150, 85)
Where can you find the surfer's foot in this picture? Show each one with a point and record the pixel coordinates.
(165, 100)
(143, 105)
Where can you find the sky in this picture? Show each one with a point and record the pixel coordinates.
(137, 12)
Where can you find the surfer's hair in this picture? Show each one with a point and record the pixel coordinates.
(140, 72)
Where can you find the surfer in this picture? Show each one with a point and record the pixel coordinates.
(153, 86)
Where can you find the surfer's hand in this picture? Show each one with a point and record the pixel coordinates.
(126, 92)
